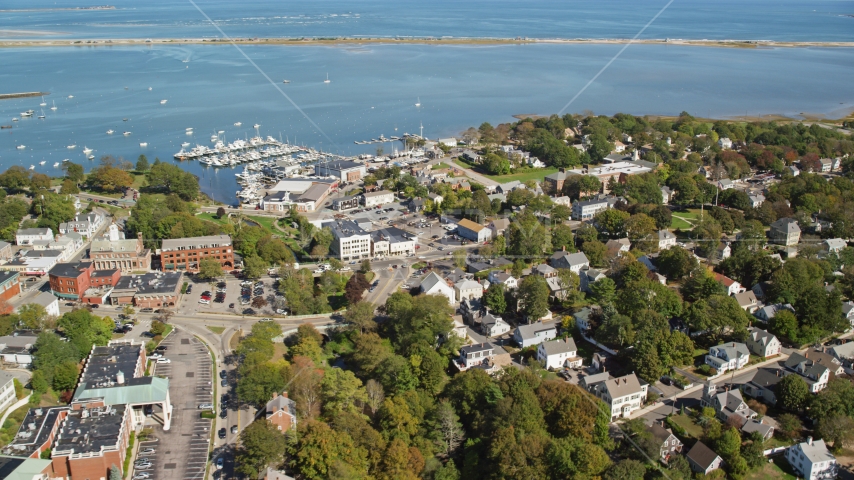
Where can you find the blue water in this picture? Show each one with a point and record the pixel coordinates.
(374, 88)
(720, 19)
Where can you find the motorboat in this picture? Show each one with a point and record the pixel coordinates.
(91, 157)
(185, 144)
(71, 96)
(143, 144)
(237, 124)
(257, 125)
(56, 165)
(149, 89)
(42, 162)
(286, 81)
(28, 113)
(71, 146)
(163, 102)
(21, 147)
(110, 132)
(126, 133)
(87, 150)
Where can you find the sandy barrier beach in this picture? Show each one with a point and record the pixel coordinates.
(345, 41)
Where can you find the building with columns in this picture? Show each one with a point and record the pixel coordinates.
(114, 251)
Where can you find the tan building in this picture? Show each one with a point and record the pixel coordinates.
(187, 253)
(150, 290)
(113, 251)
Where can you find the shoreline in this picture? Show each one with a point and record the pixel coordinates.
(461, 41)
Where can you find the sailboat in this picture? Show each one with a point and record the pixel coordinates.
(87, 150)
(418, 103)
(54, 106)
(32, 167)
(43, 104)
(110, 132)
(327, 79)
(42, 115)
(56, 165)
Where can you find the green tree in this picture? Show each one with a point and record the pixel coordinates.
(115, 473)
(170, 178)
(253, 267)
(65, 376)
(73, 172)
(603, 291)
(627, 469)
(32, 315)
(361, 316)
(109, 179)
(142, 164)
(209, 268)
(85, 330)
(459, 257)
(261, 445)
(790, 425)
(534, 297)
(838, 429)
(562, 238)
(792, 392)
(16, 178)
(342, 391)
(676, 262)
(662, 216)
(493, 298)
(611, 223)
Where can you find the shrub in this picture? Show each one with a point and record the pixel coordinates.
(208, 414)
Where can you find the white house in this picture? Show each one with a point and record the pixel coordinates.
(468, 289)
(729, 356)
(666, 239)
(768, 312)
(582, 319)
(475, 355)
(493, 325)
(573, 261)
(47, 300)
(433, 284)
(448, 142)
(761, 343)
(559, 353)
(373, 199)
(7, 391)
(732, 286)
(86, 225)
(624, 395)
(834, 245)
(509, 281)
(26, 236)
(534, 333)
(756, 200)
(725, 142)
(812, 460)
(747, 300)
(18, 347)
(703, 459)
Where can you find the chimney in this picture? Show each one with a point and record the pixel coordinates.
(275, 394)
(285, 394)
(809, 440)
(563, 248)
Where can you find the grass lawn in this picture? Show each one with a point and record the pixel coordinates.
(370, 276)
(279, 350)
(462, 163)
(536, 174)
(265, 223)
(692, 429)
(679, 223)
(418, 265)
(212, 217)
(217, 330)
(778, 469)
(440, 166)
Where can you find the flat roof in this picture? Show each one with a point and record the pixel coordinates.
(6, 275)
(136, 391)
(104, 363)
(154, 283)
(90, 430)
(340, 165)
(15, 468)
(344, 228)
(196, 242)
(34, 431)
(68, 270)
(314, 193)
(377, 193)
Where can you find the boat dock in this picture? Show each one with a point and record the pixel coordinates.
(7, 96)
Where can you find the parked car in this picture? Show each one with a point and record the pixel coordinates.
(205, 406)
(163, 360)
(223, 374)
(147, 451)
(234, 429)
(219, 460)
(221, 433)
(146, 310)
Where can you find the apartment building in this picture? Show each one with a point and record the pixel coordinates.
(187, 253)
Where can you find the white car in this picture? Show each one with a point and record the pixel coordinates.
(206, 406)
(163, 360)
(155, 356)
(319, 270)
(204, 302)
(141, 476)
(344, 269)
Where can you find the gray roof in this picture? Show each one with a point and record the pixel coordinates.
(530, 330)
(196, 242)
(5, 377)
(103, 430)
(570, 259)
(154, 283)
(544, 269)
(105, 245)
(35, 231)
(845, 350)
(283, 403)
(468, 285)
(340, 165)
(702, 455)
(815, 452)
(622, 386)
(43, 298)
(805, 366)
(4, 245)
(756, 426)
(836, 243)
(556, 347)
(733, 349)
(746, 298)
(660, 433)
(378, 193)
(431, 280)
(787, 225)
(665, 235)
(314, 193)
(344, 228)
(104, 363)
(762, 337)
(477, 347)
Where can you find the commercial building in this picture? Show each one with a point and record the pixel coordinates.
(187, 253)
(26, 236)
(373, 199)
(104, 445)
(149, 290)
(80, 281)
(301, 194)
(7, 390)
(343, 170)
(86, 225)
(10, 285)
(473, 231)
(553, 184)
(114, 251)
(349, 240)
(345, 203)
(588, 209)
(391, 241)
(16, 468)
(115, 374)
(34, 262)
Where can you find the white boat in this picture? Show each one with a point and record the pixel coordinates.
(42, 115)
(42, 162)
(110, 132)
(257, 125)
(143, 144)
(27, 114)
(185, 144)
(43, 104)
(21, 147)
(126, 134)
(71, 96)
(91, 157)
(32, 167)
(54, 106)
(71, 146)
(214, 138)
(56, 165)
(188, 129)
(220, 132)
(149, 89)
(14, 119)
(66, 160)
(188, 132)
(418, 103)
(163, 102)
(287, 81)
(87, 150)
(327, 79)
(237, 124)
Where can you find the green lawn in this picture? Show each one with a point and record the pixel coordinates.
(211, 217)
(440, 166)
(692, 429)
(679, 223)
(216, 330)
(265, 222)
(778, 469)
(536, 174)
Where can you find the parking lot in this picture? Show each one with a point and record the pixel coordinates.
(190, 303)
(182, 452)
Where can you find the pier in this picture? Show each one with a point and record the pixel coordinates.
(7, 96)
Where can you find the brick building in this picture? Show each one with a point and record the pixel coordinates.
(10, 285)
(187, 253)
(80, 281)
(282, 412)
(553, 184)
(113, 251)
(90, 440)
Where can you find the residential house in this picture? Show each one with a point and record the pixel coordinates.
(47, 300)
(761, 290)
(815, 375)
(617, 247)
(747, 300)
(468, 289)
(26, 236)
(763, 385)
(624, 395)
(727, 403)
(437, 199)
(793, 170)
(534, 333)
(669, 444)
(587, 209)
(473, 231)
(5, 251)
(703, 459)
(826, 165)
(479, 355)
(834, 245)
(508, 187)
(86, 225)
(509, 282)
(666, 195)
(728, 356)
(756, 200)
(17, 348)
(785, 231)
(732, 287)
(812, 460)
(723, 252)
(827, 360)
(281, 411)
(757, 426)
(493, 325)
(433, 284)
(582, 319)
(666, 239)
(768, 312)
(725, 184)
(375, 199)
(589, 277)
(572, 261)
(559, 353)
(725, 143)
(761, 343)
(499, 226)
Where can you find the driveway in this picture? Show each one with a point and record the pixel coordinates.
(182, 452)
